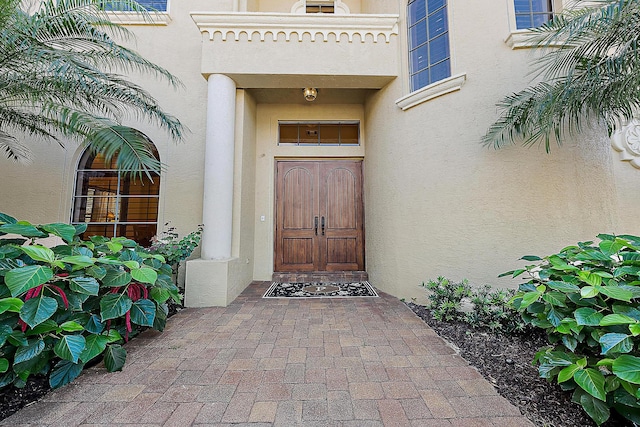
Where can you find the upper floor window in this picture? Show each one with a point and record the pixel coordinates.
(532, 13)
(154, 5)
(320, 7)
(112, 203)
(429, 56)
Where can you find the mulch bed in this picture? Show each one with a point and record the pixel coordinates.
(506, 362)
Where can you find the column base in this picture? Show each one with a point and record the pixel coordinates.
(212, 283)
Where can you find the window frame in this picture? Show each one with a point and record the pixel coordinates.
(427, 44)
(531, 14)
(319, 124)
(82, 202)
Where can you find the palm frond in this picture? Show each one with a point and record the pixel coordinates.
(62, 73)
(589, 67)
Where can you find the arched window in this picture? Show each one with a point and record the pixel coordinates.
(429, 56)
(112, 203)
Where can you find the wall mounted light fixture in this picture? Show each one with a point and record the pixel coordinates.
(310, 93)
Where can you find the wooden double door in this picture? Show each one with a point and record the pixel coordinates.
(319, 216)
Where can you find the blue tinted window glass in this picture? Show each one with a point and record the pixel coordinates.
(437, 23)
(440, 71)
(438, 49)
(524, 21)
(417, 11)
(532, 13)
(428, 42)
(420, 80)
(159, 5)
(434, 5)
(419, 59)
(522, 6)
(418, 33)
(539, 5)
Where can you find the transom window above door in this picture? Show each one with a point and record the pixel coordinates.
(319, 133)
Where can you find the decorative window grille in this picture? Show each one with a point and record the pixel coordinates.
(319, 133)
(429, 55)
(112, 203)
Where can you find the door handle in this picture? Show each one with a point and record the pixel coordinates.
(323, 226)
(315, 224)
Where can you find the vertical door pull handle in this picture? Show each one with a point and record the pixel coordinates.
(323, 226)
(315, 224)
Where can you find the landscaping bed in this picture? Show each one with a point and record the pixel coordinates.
(505, 360)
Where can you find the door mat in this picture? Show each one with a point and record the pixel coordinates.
(320, 290)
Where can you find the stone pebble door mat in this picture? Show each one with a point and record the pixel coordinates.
(320, 290)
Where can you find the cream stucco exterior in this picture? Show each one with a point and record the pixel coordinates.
(436, 202)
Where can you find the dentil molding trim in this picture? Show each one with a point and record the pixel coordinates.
(273, 24)
(627, 142)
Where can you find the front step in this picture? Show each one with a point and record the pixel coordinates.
(321, 277)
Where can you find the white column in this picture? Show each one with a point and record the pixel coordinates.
(217, 210)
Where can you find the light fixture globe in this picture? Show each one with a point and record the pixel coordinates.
(310, 93)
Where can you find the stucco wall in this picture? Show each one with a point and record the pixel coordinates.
(438, 203)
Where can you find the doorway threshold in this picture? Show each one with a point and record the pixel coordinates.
(321, 277)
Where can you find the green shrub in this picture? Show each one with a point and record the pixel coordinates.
(586, 299)
(174, 249)
(487, 307)
(63, 306)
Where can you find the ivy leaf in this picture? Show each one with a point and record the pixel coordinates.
(609, 247)
(114, 246)
(555, 298)
(114, 357)
(94, 325)
(563, 287)
(4, 365)
(39, 253)
(64, 372)
(144, 275)
(85, 285)
(567, 373)
(12, 305)
(531, 258)
(587, 316)
(20, 280)
(627, 368)
(589, 291)
(114, 305)
(94, 346)
(159, 295)
(69, 347)
(7, 219)
(617, 319)
(615, 343)
(116, 278)
(37, 310)
(590, 278)
(591, 381)
(529, 298)
(143, 312)
(595, 408)
(22, 228)
(71, 326)
(617, 292)
(79, 261)
(28, 352)
(64, 231)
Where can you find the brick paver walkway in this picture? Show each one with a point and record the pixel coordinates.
(314, 362)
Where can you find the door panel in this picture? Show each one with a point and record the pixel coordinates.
(319, 216)
(296, 211)
(341, 206)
